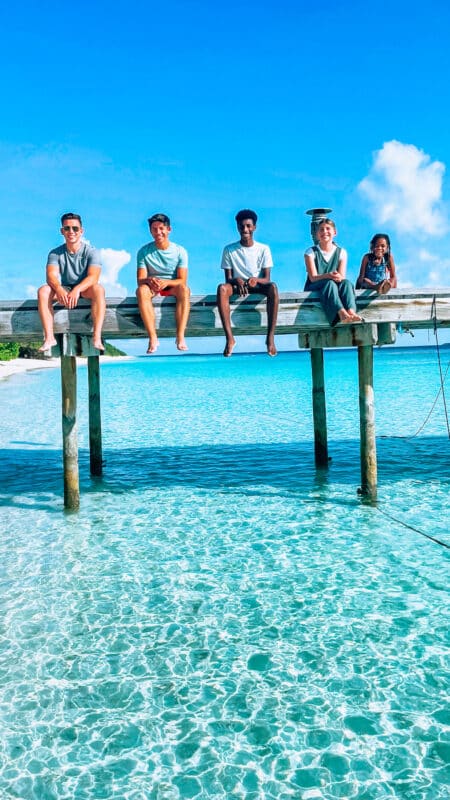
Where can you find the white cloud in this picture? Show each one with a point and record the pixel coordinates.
(404, 189)
(112, 263)
(425, 255)
(438, 272)
(422, 268)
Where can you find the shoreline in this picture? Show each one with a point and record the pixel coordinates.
(17, 366)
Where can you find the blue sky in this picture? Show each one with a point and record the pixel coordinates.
(116, 111)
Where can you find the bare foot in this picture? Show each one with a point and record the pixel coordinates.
(354, 317)
(47, 345)
(271, 349)
(152, 347)
(99, 345)
(181, 345)
(344, 316)
(229, 347)
(384, 287)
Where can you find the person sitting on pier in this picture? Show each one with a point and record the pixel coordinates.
(162, 269)
(326, 265)
(73, 271)
(377, 267)
(247, 266)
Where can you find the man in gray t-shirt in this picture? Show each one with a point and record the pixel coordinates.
(73, 270)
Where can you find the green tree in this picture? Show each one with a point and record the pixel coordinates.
(9, 350)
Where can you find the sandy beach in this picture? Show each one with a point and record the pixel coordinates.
(16, 365)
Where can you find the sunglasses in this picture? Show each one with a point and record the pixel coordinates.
(73, 228)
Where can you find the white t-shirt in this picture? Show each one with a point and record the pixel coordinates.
(246, 262)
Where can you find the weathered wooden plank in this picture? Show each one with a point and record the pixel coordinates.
(300, 312)
(348, 336)
(339, 336)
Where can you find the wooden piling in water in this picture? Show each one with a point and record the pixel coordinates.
(319, 408)
(95, 421)
(368, 449)
(69, 431)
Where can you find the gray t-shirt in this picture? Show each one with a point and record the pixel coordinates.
(73, 267)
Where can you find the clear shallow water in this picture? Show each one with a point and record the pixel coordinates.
(219, 619)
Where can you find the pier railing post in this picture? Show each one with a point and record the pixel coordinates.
(69, 431)
(319, 407)
(95, 422)
(367, 424)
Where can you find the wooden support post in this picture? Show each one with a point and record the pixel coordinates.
(69, 431)
(319, 408)
(95, 421)
(367, 424)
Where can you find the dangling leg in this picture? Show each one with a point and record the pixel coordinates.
(348, 300)
(144, 297)
(182, 294)
(96, 294)
(46, 298)
(224, 292)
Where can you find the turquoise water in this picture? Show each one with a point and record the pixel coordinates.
(221, 620)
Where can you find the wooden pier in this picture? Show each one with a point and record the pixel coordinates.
(299, 313)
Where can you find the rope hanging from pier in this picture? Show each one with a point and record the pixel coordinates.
(442, 379)
(434, 318)
(412, 528)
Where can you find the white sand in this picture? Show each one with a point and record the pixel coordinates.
(17, 365)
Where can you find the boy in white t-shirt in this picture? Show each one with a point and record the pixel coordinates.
(247, 266)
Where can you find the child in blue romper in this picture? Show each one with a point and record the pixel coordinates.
(377, 267)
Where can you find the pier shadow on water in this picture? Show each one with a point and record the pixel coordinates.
(283, 466)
